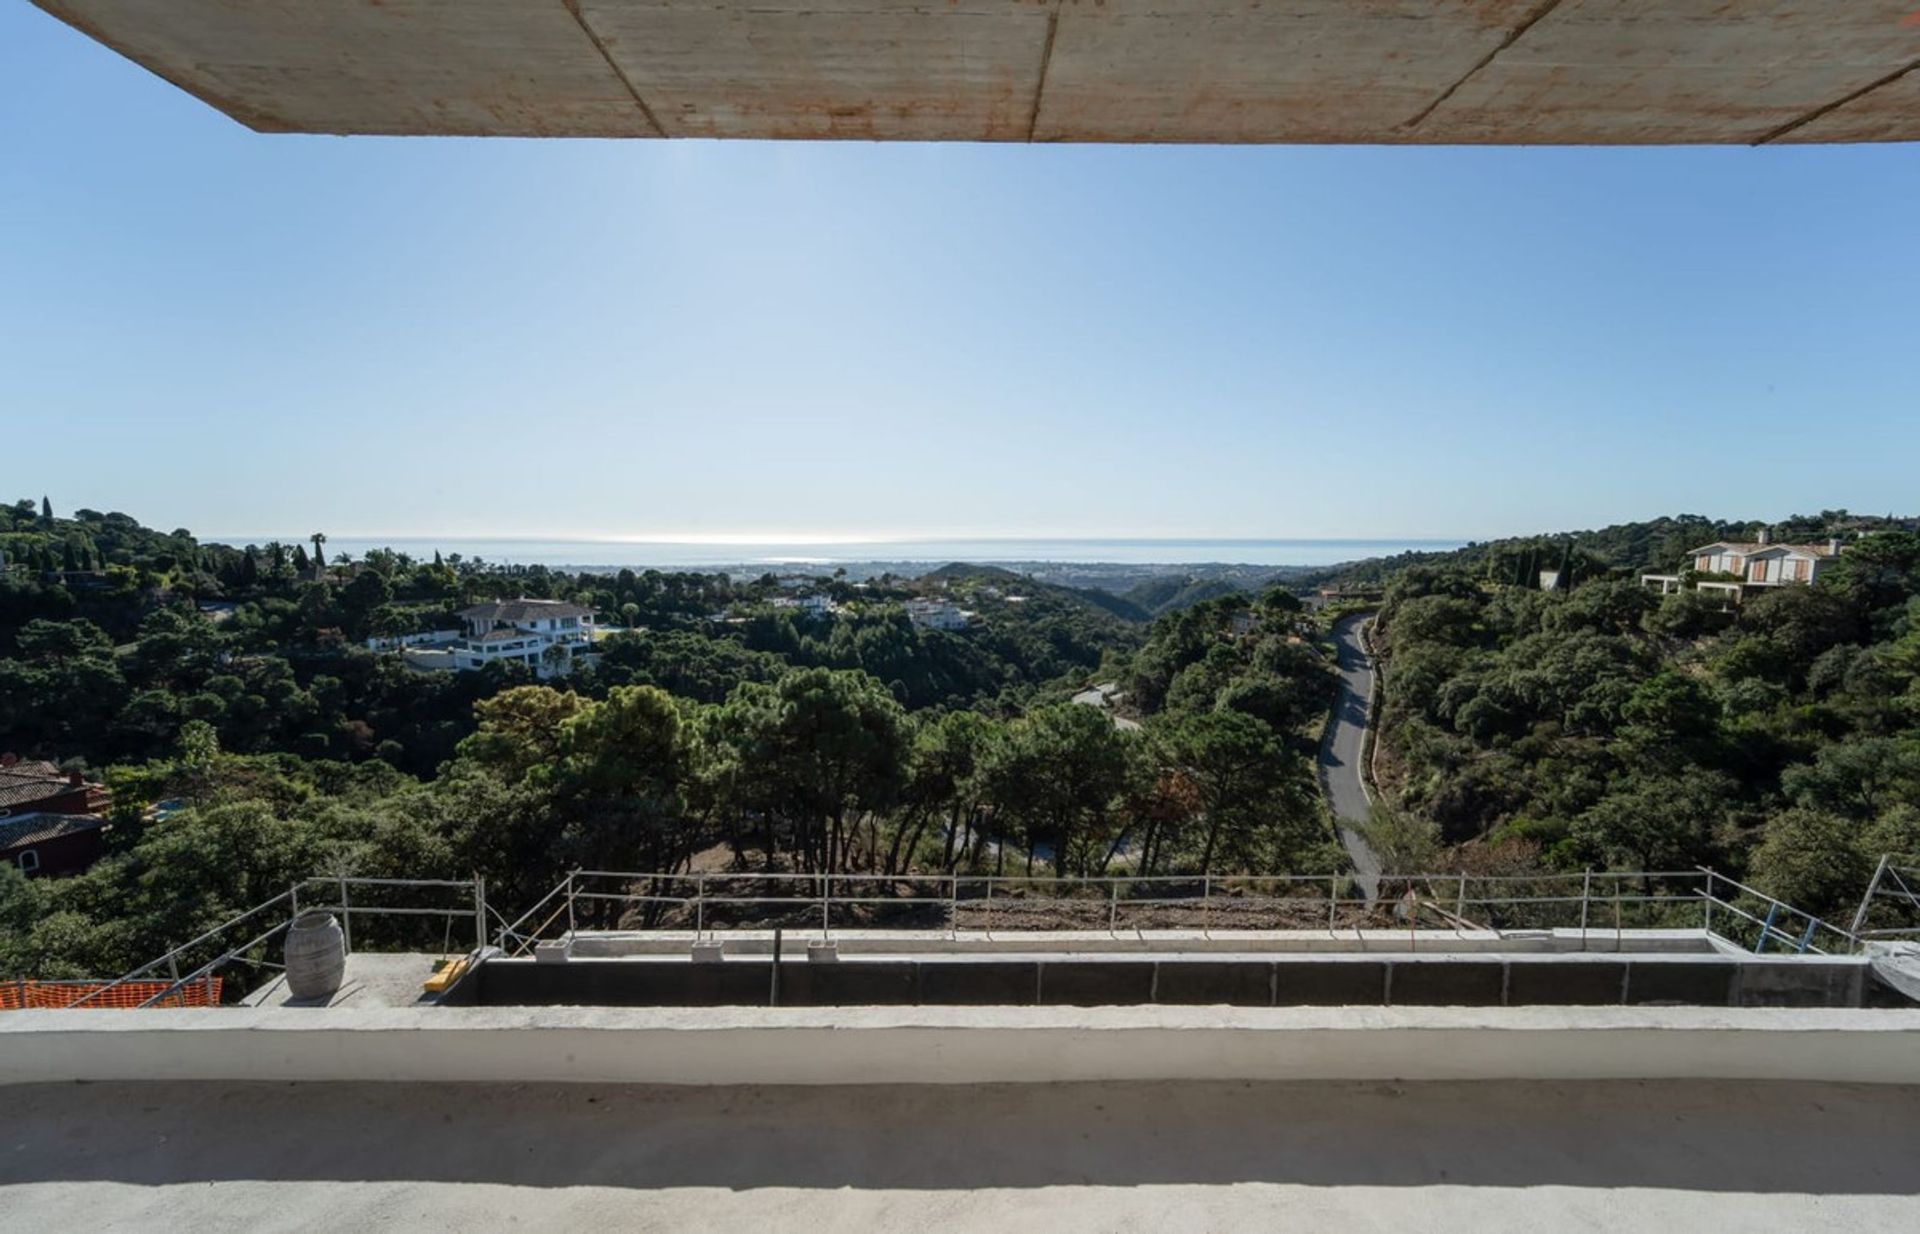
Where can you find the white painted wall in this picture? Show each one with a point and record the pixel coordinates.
(959, 1045)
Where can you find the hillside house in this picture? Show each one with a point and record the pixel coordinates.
(46, 845)
(814, 605)
(33, 787)
(938, 614)
(522, 631)
(1737, 565)
(50, 820)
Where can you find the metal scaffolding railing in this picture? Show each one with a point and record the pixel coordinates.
(1890, 910)
(198, 960)
(1596, 903)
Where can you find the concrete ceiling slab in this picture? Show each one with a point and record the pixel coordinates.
(1570, 72)
(866, 69)
(479, 67)
(1650, 72)
(1887, 111)
(1234, 71)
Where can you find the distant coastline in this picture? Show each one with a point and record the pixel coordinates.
(804, 556)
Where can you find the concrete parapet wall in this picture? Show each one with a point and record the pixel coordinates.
(960, 1045)
(1095, 980)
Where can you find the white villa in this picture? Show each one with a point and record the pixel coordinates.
(523, 630)
(814, 605)
(513, 630)
(1759, 563)
(938, 614)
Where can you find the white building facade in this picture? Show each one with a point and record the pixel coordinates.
(522, 631)
(938, 614)
(1758, 563)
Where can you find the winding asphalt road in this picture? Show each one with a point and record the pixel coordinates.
(1341, 750)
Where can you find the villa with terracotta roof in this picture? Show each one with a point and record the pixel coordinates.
(49, 819)
(1732, 566)
(37, 787)
(48, 845)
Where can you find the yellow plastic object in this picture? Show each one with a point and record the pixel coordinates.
(445, 975)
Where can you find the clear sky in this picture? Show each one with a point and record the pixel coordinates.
(239, 333)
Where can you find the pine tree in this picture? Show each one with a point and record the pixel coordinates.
(1566, 567)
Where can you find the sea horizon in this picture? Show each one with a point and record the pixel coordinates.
(590, 554)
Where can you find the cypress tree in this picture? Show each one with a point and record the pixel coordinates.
(69, 560)
(46, 510)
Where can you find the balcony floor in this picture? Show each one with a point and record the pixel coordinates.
(1487, 1156)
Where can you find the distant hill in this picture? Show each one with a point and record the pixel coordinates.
(1657, 543)
(1159, 596)
(1024, 584)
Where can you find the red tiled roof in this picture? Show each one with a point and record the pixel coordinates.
(1750, 549)
(24, 829)
(23, 783)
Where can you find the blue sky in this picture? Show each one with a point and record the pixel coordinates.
(232, 332)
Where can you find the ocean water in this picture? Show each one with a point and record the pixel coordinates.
(688, 555)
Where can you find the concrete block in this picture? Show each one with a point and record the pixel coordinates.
(1565, 983)
(1320, 983)
(1686, 983)
(709, 951)
(823, 952)
(1446, 983)
(1096, 983)
(982, 983)
(619, 983)
(733, 984)
(1763, 984)
(1234, 983)
(879, 983)
(553, 953)
(1873, 993)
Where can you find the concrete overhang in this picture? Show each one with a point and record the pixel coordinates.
(1494, 72)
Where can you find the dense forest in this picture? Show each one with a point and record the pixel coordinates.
(1601, 724)
(713, 725)
(1542, 710)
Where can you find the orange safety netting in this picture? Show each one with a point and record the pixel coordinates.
(54, 995)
